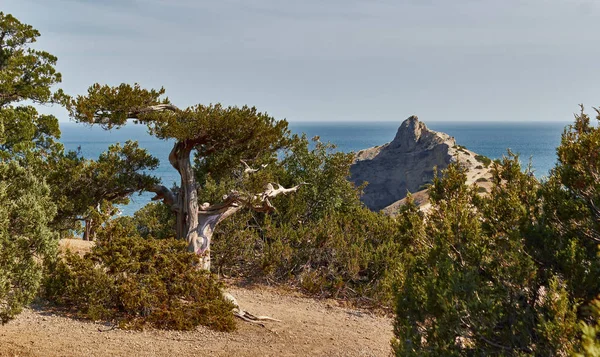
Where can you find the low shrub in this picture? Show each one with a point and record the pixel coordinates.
(139, 283)
(482, 179)
(486, 161)
(355, 255)
(424, 186)
(155, 220)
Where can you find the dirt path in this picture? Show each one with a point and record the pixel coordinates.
(309, 328)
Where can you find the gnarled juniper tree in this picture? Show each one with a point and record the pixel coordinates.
(229, 133)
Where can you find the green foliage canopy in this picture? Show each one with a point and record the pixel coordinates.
(25, 73)
(80, 186)
(238, 132)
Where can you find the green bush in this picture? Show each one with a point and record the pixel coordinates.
(155, 220)
(482, 179)
(486, 161)
(355, 255)
(139, 282)
(25, 239)
(590, 339)
(424, 186)
(79, 283)
(569, 240)
(470, 288)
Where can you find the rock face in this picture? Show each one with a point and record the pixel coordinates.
(401, 166)
(407, 163)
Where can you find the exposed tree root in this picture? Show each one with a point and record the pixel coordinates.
(245, 315)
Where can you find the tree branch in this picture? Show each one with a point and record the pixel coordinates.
(152, 109)
(173, 156)
(164, 194)
(271, 192)
(103, 116)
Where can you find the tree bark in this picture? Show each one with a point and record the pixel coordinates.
(87, 229)
(209, 217)
(207, 224)
(187, 199)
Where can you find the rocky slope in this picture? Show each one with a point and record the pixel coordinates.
(407, 163)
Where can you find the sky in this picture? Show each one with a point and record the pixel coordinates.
(334, 60)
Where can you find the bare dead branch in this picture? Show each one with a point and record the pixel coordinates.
(271, 191)
(250, 170)
(245, 315)
(259, 202)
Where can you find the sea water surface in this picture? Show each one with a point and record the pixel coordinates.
(533, 140)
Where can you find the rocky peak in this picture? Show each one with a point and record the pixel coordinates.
(408, 134)
(414, 134)
(405, 164)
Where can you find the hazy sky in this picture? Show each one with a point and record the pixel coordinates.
(334, 60)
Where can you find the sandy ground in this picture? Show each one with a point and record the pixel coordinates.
(309, 328)
(75, 245)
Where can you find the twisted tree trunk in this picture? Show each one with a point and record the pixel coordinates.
(186, 207)
(192, 224)
(196, 224)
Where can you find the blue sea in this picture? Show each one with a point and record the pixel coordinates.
(536, 141)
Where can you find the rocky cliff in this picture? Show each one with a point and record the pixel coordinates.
(407, 163)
